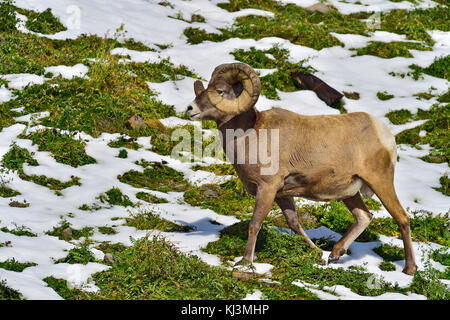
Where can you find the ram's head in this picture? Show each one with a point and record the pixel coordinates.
(234, 88)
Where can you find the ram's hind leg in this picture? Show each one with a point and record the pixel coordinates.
(287, 206)
(386, 193)
(362, 219)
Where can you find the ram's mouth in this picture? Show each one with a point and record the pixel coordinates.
(192, 116)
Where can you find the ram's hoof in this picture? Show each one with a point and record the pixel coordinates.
(243, 263)
(333, 259)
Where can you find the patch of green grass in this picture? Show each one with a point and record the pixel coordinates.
(386, 266)
(399, 116)
(436, 128)
(115, 197)
(75, 234)
(61, 286)
(7, 293)
(106, 230)
(161, 71)
(17, 204)
(80, 254)
(389, 50)
(123, 154)
(281, 78)
(16, 157)
(42, 22)
(103, 102)
(442, 256)
(20, 231)
(154, 269)
(123, 142)
(424, 227)
(390, 253)
(351, 95)
(427, 282)
(415, 23)
(384, 96)
(52, 184)
(218, 169)
(8, 19)
(445, 185)
(147, 220)
(438, 68)
(158, 177)
(445, 97)
(228, 198)
(62, 147)
(14, 265)
(147, 197)
(292, 259)
(29, 53)
(6, 192)
(290, 22)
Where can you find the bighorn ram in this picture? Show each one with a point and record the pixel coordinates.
(321, 158)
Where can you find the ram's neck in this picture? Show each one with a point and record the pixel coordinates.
(244, 121)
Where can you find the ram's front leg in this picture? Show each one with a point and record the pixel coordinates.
(265, 196)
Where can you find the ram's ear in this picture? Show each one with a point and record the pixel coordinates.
(198, 87)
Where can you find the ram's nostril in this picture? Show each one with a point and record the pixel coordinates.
(189, 108)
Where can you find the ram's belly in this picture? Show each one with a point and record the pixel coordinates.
(298, 186)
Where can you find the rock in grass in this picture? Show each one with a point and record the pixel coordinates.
(67, 233)
(318, 7)
(136, 122)
(109, 258)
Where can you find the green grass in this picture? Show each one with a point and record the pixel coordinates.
(158, 177)
(281, 78)
(389, 50)
(147, 220)
(106, 230)
(42, 22)
(415, 23)
(292, 259)
(15, 158)
(390, 253)
(386, 266)
(160, 71)
(399, 116)
(351, 95)
(76, 234)
(79, 255)
(442, 256)
(123, 142)
(7, 293)
(14, 265)
(217, 169)
(115, 197)
(6, 192)
(123, 154)
(438, 68)
(290, 22)
(147, 197)
(384, 96)
(62, 147)
(8, 18)
(20, 231)
(424, 227)
(436, 128)
(153, 269)
(231, 198)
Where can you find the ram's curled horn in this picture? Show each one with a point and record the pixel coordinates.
(233, 73)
